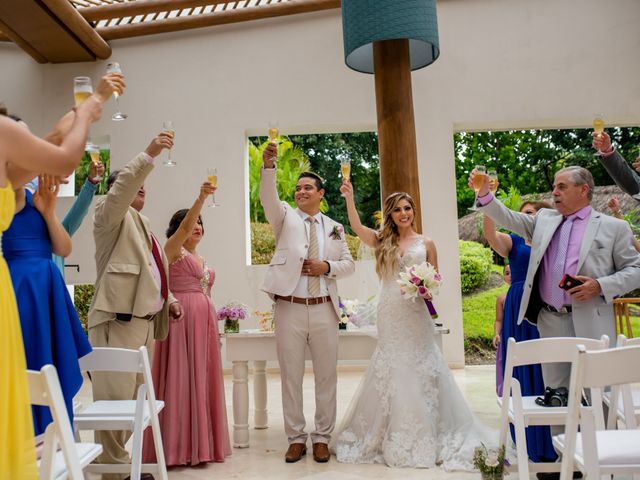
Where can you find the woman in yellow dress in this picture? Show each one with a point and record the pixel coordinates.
(22, 156)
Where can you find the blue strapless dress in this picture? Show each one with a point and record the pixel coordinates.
(51, 329)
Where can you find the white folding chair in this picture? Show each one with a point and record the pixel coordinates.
(594, 450)
(132, 415)
(44, 389)
(522, 411)
(613, 397)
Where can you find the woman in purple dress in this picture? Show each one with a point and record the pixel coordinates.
(517, 250)
(187, 367)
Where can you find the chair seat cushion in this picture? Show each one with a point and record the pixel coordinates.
(118, 413)
(615, 447)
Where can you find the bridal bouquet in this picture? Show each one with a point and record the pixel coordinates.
(232, 313)
(420, 281)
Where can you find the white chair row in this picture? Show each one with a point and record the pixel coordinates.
(522, 411)
(132, 415)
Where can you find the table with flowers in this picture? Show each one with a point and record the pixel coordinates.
(259, 347)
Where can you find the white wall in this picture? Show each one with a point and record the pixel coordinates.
(504, 64)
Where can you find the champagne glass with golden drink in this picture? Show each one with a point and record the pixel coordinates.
(114, 67)
(82, 89)
(167, 126)
(94, 154)
(493, 181)
(598, 123)
(345, 168)
(212, 177)
(478, 180)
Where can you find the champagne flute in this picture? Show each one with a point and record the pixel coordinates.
(167, 125)
(598, 123)
(274, 133)
(82, 89)
(493, 181)
(478, 180)
(94, 153)
(345, 167)
(212, 177)
(114, 67)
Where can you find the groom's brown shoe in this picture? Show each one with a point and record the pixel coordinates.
(321, 452)
(295, 452)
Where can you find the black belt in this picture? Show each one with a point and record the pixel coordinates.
(126, 317)
(562, 309)
(304, 301)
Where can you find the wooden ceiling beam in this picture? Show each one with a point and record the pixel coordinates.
(22, 43)
(80, 27)
(141, 7)
(214, 18)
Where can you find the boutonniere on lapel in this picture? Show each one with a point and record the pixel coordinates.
(337, 232)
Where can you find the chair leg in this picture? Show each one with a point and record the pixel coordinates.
(521, 450)
(136, 452)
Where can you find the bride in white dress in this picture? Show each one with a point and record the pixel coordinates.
(408, 410)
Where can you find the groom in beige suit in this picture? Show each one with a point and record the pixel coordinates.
(311, 254)
(132, 303)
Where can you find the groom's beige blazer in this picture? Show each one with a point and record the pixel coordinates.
(292, 245)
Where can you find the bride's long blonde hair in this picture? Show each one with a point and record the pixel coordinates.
(386, 250)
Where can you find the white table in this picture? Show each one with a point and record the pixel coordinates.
(260, 347)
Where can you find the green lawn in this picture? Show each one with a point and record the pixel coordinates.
(479, 313)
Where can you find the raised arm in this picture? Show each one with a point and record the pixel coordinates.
(274, 210)
(616, 166)
(31, 154)
(176, 241)
(74, 217)
(111, 211)
(367, 235)
(500, 242)
(44, 200)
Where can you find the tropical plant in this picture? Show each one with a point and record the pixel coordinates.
(82, 170)
(291, 162)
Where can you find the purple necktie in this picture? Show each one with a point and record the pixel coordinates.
(557, 294)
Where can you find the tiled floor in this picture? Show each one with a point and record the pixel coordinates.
(264, 458)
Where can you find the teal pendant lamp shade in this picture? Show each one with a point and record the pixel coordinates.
(368, 21)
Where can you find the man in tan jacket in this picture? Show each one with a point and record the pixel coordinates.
(311, 254)
(132, 303)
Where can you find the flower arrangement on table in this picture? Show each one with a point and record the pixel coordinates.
(232, 313)
(422, 281)
(490, 462)
(265, 320)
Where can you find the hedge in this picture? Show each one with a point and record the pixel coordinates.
(475, 265)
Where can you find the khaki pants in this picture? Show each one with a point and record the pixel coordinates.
(296, 327)
(118, 385)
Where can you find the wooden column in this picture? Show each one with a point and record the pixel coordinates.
(396, 123)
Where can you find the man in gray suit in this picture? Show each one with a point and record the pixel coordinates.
(573, 239)
(616, 166)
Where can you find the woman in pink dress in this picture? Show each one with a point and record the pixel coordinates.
(187, 368)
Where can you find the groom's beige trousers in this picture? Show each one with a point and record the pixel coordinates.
(296, 327)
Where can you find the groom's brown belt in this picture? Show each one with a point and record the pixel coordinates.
(304, 301)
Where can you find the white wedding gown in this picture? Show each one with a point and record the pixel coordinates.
(408, 410)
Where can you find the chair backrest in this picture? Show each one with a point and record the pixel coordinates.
(627, 342)
(597, 370)
(44, 388)
(550, 350)
(107, 359)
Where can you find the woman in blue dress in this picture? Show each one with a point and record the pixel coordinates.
(515, 248)
(51, 329)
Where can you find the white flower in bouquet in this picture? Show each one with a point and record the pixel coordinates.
(420, 280)
(492, 459)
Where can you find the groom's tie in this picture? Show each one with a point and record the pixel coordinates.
(313, 281)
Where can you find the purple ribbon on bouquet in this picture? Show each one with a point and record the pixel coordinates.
(431, 308)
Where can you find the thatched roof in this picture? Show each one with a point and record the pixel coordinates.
(469, 226)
